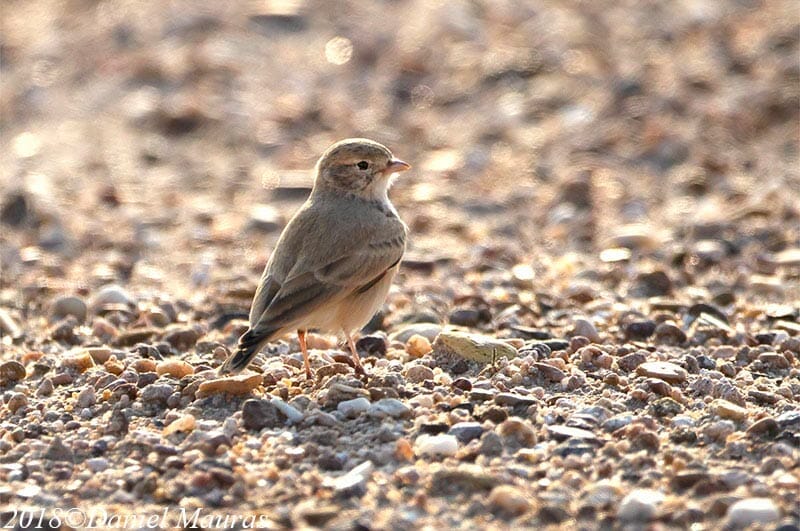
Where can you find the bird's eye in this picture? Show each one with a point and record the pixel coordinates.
(363, 165)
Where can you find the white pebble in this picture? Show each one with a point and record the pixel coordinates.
(640, 505)
(752, 511)
(97, 464)
(351, 408)
(292, 413)
(388, 407)
(230, 427)
(436, 445)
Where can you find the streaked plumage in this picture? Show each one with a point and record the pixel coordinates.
(335, 260)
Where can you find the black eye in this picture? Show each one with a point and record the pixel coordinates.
(363, 165)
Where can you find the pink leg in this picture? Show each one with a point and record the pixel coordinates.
(301, 337)
(356, 359)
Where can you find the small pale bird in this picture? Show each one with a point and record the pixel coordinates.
(335, 260)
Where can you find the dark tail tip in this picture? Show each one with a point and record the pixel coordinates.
(249, 345)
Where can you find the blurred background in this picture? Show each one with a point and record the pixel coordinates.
(165, 144)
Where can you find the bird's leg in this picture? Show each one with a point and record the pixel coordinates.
(356, 359)
(301, 337)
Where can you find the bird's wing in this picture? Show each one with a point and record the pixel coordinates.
(267, 289)
(355, 268)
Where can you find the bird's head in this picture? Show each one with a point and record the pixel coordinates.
(358, 166)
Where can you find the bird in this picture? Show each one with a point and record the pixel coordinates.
(335, 260)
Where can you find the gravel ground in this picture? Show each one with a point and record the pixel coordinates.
(597, 324)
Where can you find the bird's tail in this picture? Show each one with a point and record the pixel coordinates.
(249, 345)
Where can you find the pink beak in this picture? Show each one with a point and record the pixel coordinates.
(396, 166)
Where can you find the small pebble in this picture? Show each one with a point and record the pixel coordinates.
(290, 412)
(240, 384)
(418, 373)
(97, 464)
(728, 410)
(584, 327)
(508, 499)
(69, 305)
(640, 505)
(417, 346)
(388, 407)
(466, 431)
(436, 445)
(259, 413)
(354, 407)
(11, 372)
(174, 368)
(669, 372)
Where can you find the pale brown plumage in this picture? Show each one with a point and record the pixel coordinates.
(335, 260)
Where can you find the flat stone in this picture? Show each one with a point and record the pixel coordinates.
(560, 433)
(463, 479)
(184, 423)
(729, 410)
(466, 431)
(481, 395)
(669, 372)
(773, 360)
(556, 344)
(764, 397)
(553, 374)
(240, 384)
(687, 479)
(513, 400)
(353, 483)
(474, 347)
(786, 258)
(617, 421)
(723, 352)
(175, 368)
(789, 419)
(134, 336)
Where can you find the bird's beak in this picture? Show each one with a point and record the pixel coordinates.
(396, 166)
